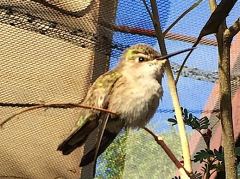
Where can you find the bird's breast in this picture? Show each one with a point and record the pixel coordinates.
(136, 101)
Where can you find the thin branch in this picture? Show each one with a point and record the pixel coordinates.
(157, 27)
(167, 150)
(27, 105)
(184, 62)
(232, 30)
(213, 5)
(181, 16)
(214, 159)
(224, 43)
(65, 105)
(173, 91)
(215, 24)
(148, 10)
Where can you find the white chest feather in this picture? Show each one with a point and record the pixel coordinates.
(138, 102)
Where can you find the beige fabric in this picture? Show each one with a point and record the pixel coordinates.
(36, 68)
(72, 5)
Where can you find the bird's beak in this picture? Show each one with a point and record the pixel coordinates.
(174, 53)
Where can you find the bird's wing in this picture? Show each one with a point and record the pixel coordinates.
(100, 91)
(97, 96)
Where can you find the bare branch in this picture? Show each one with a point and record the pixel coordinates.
(148, 10)
(184, 62)
(224, 43)
(157, 27)
(173, 91)
(215, 24)
(181, 16)
(66, 105)
(232, 30)
(167, 150)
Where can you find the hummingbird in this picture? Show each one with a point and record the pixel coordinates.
(132, 90)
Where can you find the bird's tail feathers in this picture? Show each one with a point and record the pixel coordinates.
(107, 139)
(77, 137)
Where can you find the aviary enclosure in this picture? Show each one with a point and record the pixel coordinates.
(52, 51)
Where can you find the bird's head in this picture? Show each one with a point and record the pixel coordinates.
(142, 60)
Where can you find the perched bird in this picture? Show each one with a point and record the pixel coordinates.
(131, 90)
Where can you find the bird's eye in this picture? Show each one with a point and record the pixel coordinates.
(141, 59)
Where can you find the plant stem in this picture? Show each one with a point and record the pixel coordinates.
(173, 90)
(226, 111)
(169, 153)
(224, 42)
(181, 16)
(60, 105)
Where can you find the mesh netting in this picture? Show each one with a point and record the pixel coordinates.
(51, 51)
(47, 57)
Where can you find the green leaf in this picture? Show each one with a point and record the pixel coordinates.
(204, 122)
(191, 120)
(203, 154)
(174, 121)
(219, 154)
(185, 113)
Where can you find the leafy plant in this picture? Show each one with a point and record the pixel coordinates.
(112, 162)
(191, 120)
(211, 160)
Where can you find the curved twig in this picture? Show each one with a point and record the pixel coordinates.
(233, 30)
(148, 10)
(185, 60)
(165, 148)
(66, 105)
(169, 153)
(181, 16)
(173, 92)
